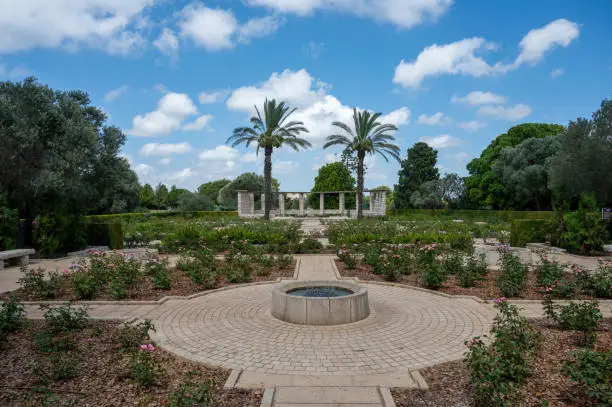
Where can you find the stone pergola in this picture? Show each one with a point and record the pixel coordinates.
(378, 204)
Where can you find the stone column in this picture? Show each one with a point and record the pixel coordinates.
(382, 195)
(341, 203)
(263, 203)
(322, 204)
(281, 203)
(301, 199)
(252, 203)
(245, 203)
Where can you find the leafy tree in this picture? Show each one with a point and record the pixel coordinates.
(58, 155)
(161, 195)
(268, 133)
(249, 181)
(174, 195)
(524, 172)
(147, 197)
(333, 177)
(448, 191)
(368, 137)
(483, 185)
(349, 159)
(583, 163)
(418, 168)
(189, 202)
(211, 189)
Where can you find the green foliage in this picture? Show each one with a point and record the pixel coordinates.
(105, 234)
(418, 168)
(211, 189)
(584, 231)
(63, 366)
(333, 177)
(549, 272)
(474, 269)
(523, 231)
(448, 191)
(348, 258)
(191, 394)
(512, 274)
(145, 368)
(147, 197)
(11, 317)
(599, 283)
(592, 371)
(161, 195)
(484, 186)
(84, 284)
(498, 369)
(190, 202)
(9, 226)
(132, 336)
(584, 317)
(432, 273)
(65, 318)
(59, 233)
(249, 181)
(36, 285)
(174, 195)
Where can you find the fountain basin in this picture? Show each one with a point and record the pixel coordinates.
(320, 302)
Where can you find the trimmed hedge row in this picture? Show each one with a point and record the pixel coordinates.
(105, 234)
(474, 215)
(166, 214)
(523, 231)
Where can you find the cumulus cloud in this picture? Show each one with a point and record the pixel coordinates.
(435, 119)
(172, 110)
(115, 93)
(114, 26)
(316, 108)
(477, 98)
(463, 57)
(285, 167)
(199, 123)
(152, 149)
(167, 42)
(144, 170)
(165, 161)
(217, 29)
(222, 153)
(441, 141)
(510, 113)
(402, 13)
(472, 125)
(212, 97)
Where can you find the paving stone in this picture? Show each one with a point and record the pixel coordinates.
(327, 395)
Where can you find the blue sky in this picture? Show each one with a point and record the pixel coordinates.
(178, 76)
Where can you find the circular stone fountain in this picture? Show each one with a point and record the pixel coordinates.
(320, 302)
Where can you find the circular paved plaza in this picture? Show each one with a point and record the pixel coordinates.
(407, 329)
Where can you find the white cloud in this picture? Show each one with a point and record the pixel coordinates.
(128, 158)
(559, 33)
(472, 125)
(555, 73)
(165, 161)
(461, 157)
(180, 176)
(512, 113)
(111, 25)
(172, 110)
(144, 170)
(434, 119)
(457, 58)
(152, 149)
(220, 153)
(285, 167)
(115, 93)
(199, 123)
(441, 141)
(317, 109)
(480, 98)
(326, 158)
(460, 57)
(403, 13)
(212, 97)
(251, 158)
(218, 29)
(167, 42)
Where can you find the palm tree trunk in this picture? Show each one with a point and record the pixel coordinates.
(268, 183)
(360, 158)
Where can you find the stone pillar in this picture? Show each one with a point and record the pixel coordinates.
(301, 199)
(263, 203)
(322, 204)
(252, 203)
(281, 203)
(341, 203)
(382, 196)
(245, 203)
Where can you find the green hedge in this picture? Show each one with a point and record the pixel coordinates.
(523, 231)
(167, 214)
(490, 216)
(105, 234)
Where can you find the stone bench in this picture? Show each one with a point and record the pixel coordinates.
(23, 256)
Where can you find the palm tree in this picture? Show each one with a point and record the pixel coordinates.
(270, 132)
(369, 137)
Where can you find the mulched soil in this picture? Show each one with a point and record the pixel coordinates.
(181, 285)
(448, 382)
(103, 376)
(485, 289)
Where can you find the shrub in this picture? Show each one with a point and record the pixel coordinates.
(65, 318)
(598, 283)
(9, 226)
(284, 261)
(84, 284)
(523, 231)
(157, 267)
(433, 276)
(474, 270)
(452, 262)
(584, 317)
(49, 342)
(308, 245)
(549, 272)
(36, 285)
(584, 231)
(513, 275)
(57, 233)
(348, 258)
(11, 317)
(593, 372)
(105, 234)
(191, 394)
(131, 336)
(144, 367)
(497, 370)
(64, 366)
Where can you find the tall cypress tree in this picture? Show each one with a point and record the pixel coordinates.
(419, 167)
